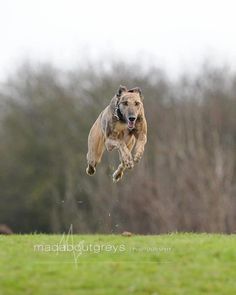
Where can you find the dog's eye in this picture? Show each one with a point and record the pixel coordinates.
(125, 103)
(137, 103)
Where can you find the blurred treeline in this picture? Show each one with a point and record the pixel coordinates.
(185, 182)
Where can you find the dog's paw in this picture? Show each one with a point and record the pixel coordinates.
(137, 158)
(117, 175)
(90, 170)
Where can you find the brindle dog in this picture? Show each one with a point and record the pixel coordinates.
(121, 125)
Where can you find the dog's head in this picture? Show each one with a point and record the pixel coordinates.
(129, 104)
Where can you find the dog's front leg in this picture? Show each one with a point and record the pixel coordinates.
(126, 156)
(139, 148)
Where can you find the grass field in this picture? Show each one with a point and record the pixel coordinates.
(113, 264)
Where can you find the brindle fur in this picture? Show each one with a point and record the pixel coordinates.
(110, 131)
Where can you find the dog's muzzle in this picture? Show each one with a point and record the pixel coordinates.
(131, 122)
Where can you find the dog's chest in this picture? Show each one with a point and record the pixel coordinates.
(120, 128)
(122, 132)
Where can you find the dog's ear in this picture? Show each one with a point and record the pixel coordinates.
(115, 100)
(136, 90)
(121, 90)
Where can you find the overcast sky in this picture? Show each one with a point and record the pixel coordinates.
(177, 35)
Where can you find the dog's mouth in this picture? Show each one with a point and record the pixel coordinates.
(131, 124)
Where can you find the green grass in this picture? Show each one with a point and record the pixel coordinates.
(166, 264)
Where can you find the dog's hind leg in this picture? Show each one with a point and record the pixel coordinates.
(93, 158)
(95, 149)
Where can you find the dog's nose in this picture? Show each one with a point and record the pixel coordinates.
(132, 118)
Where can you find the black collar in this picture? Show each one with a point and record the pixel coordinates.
(118, 114)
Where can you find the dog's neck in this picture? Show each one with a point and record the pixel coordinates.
(117, 113)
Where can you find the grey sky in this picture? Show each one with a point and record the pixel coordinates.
(177, 35)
